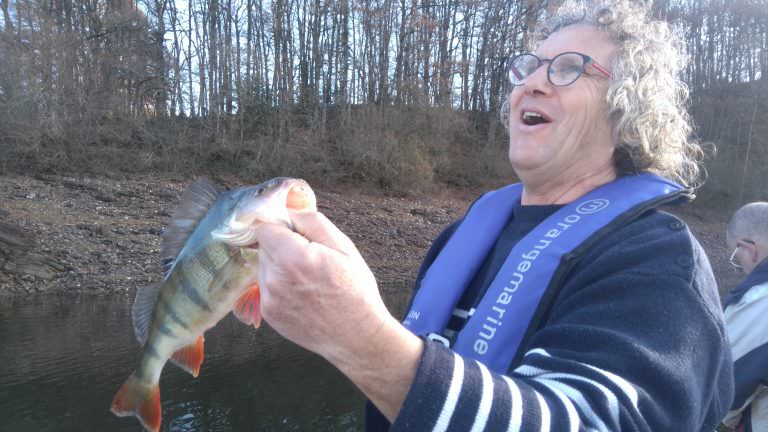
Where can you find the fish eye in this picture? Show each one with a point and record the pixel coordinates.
(259, 191)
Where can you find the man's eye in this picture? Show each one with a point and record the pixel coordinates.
(567, 69)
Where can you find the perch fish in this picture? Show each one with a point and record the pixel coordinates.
(210, 263)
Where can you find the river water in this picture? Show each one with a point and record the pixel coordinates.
(63, 358)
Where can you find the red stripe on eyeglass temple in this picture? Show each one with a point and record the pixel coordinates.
(601, 69)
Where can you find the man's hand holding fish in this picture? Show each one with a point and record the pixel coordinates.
(318, 292)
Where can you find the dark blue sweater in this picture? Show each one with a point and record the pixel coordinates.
(634, 341)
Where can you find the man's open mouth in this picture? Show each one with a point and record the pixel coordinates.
(533, 118)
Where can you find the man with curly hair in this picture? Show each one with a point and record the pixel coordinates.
(745, 309)
(564, 302)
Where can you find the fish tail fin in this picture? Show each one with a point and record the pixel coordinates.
(139, 399)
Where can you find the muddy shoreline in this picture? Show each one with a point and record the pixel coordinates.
(106, 231)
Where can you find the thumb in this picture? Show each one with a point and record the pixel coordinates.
(317, 228)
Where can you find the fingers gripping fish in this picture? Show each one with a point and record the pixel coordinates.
(210, 263)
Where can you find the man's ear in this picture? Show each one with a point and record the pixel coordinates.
(752, 249)
(760, 251)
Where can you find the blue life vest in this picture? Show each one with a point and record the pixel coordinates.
(530, 277)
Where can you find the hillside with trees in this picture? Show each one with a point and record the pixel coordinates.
(390, 93)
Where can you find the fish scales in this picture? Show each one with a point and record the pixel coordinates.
(187, 299)
(213, 258)
(167, 310)
(193, 291)
(190, 282)
(190, 301)
(210, 265)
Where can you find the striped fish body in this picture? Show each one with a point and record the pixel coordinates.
(211, 270)
(197, 294)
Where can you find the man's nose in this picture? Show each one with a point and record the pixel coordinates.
(538, 82)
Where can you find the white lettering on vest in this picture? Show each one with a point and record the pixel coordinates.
(481, 347)
(492, 323)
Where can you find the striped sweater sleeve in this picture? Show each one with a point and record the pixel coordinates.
(452, 393)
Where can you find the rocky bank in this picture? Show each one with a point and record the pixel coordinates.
(102, 235)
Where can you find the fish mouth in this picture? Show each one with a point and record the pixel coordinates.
(268, 202)
(300, 196)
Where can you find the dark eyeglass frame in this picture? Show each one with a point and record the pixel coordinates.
(516, 78)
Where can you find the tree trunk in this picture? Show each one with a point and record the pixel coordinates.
(161, 78)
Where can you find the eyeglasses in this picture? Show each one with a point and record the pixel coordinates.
(563, 69)
(732, 259)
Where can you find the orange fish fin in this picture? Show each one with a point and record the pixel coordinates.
(248, 307)
(140, 400)
(190, 357)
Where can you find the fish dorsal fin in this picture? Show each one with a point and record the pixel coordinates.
(191, 209)
(143, 306)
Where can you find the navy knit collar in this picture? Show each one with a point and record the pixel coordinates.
(757, 276)
(532, 215)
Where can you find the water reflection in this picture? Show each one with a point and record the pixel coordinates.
(63, 358)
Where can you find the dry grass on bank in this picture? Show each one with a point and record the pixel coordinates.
(397, 149)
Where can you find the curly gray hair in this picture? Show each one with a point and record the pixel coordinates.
(646, 98)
